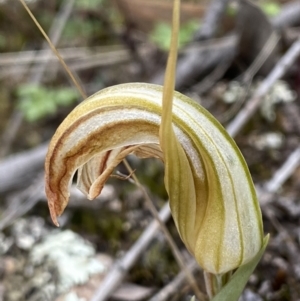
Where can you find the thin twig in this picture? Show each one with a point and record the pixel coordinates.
(261, 57)
(68, 53)
(284, 172)
(278, 71)
(22, 203)
(17, 170)
(120, 269)
(266, 194)
(84, 63)
(174, 286)
(247, 77)
(77, 60)
(210, 80)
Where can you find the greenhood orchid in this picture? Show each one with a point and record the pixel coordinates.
(212, 197)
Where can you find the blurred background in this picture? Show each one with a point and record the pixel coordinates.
(238, 59)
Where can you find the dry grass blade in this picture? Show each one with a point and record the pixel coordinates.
(83, 94)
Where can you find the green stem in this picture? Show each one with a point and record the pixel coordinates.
(214, 283)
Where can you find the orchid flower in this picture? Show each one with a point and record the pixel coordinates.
(212, 196)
